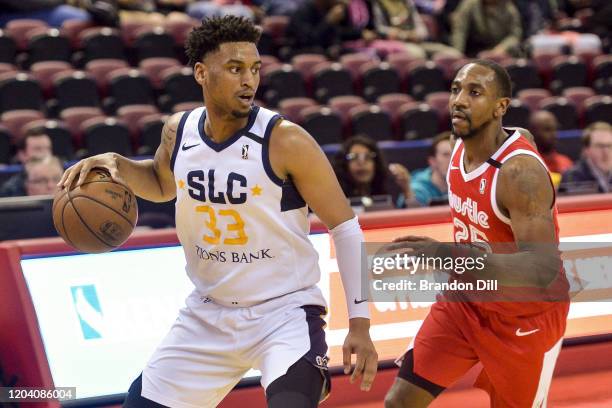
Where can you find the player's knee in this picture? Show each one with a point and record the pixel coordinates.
(404, 394)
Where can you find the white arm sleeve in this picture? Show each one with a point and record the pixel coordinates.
(347, 240)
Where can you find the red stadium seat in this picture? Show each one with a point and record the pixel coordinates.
(187, 106)
(72, 29)
(517, 114)
(131, 114)
(8, 48)
(567, 71)
(45, 71)
(153, 43)
(323, 124)
(418, 121)
(7, 67)
(74, 117)
(532, 97)
(354, 62)
(150, 130)
(343, 104)
(18, 30)
(291, 107)
(179, 29)
(281, 83)
(402, 63)
(577, 95)
(101, 135)
(47, 45)
(371, 121)
(99, 69)
(153, 68)
(439, 102)
(564, 110)
(101, 42)
(378, 79)
(392, 102)
(19, 91)
(598, 109)
(305, 64)
(447, 63)
(15, 120)
(330, 80)
(275, 26)
(425, 78)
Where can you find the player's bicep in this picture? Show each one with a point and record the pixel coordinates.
(315, 179)
(525, 191)
(163, 157)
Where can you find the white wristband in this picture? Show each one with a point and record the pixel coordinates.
(347, 240)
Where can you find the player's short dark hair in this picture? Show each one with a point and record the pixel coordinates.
(439, 138)
(502, 78)
(218, 30)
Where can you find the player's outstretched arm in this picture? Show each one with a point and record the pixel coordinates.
(296, 155)
(150, 179)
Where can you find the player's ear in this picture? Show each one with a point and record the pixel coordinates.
(200, 72)
(501, 107)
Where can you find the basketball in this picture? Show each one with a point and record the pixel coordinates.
(97, 216)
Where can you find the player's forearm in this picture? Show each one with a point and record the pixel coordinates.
(141, 177)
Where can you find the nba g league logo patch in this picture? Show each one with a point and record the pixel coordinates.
(483, 185)
(245, 151)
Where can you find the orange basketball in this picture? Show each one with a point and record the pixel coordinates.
(98, 216)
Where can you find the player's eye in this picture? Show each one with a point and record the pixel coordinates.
(234, 70)
(255, 70)
(475, 93)
(454, 90)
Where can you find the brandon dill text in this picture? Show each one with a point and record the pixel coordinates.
(424, 284)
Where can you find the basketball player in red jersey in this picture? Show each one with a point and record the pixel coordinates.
(499, 192)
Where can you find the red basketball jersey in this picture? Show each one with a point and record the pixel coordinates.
(477, 218)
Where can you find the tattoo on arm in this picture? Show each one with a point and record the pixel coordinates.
(168, 134)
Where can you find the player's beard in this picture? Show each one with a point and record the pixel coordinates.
(240, 115)
(471, 130)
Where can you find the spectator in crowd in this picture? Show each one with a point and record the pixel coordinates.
(35, 144)
(53, 12)
(278, 7)
(595, 166)
(322, 26)
(42, 175)
(537, 15)
(400, 20)
(362, 172)
(544, 125)
(429, 185)
(486, 25)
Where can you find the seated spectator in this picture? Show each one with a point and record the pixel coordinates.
(42, 175)
(429, 185)
(321, 26)
(536, 15)
(594, 169)
(53, 12)
(362, 172)
(36, 144)
(544, 125)
(278, 7)
(399, 20)
(218, 8)
(486, 25)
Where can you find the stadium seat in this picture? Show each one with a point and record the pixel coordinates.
(179, 86)
(281, 83)
(290, 108)
(187, 106)
(7, 67)
(411, 154)
(567, 71)
(150, 129)
(439, 102)
(598, 108)
(543, 63)
(391, 104)
(517, 114)
(447, 63)
(355, 61)
(72, 30)
(74, 117)
(371, 121)
(101, 135)
(323, 124)
(47, 45)
(501, 59)
(18, 30)
(343, 104)
(330, 80)
(179, 29)
(565, 111)
(153, 68)
(418, 121)
(523, 74)
(45, 71)
(8, 48)
(99, 69)
(275, 26)
(15, 120)
(425, 78)
(602, 66)
(130, 115)
(5, 145)
(128, 87)
(532, 97)
(19, 91)
(577, 95)
(58, 132)
(75, 89)
(305, 63)
(378, 79)
(130, 28)
(402, 63)
(98, 43)
(155, 43)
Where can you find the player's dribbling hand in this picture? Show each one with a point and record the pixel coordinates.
(416, 244)
(358, 342)
(107, 161)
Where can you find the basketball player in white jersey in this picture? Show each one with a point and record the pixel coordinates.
(243, 179)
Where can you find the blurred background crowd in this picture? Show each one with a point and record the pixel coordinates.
(369, 79)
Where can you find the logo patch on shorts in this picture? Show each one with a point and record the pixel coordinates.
(322, 361)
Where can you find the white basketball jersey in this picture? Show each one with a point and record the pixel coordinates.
(244, 231)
